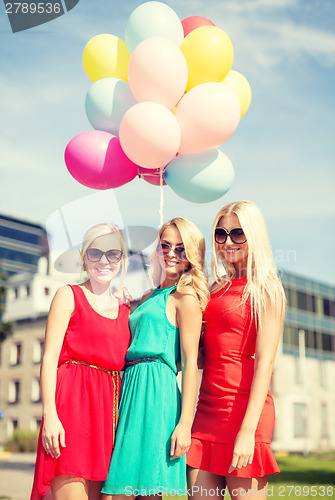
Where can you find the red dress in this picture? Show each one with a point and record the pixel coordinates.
(86, 397)
(229, 344)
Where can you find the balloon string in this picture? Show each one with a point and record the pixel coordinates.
(161, 197)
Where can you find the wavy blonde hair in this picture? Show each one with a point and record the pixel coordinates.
(194, 244)
(105, 229)
(263, 284)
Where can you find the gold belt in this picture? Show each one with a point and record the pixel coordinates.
(115, 379)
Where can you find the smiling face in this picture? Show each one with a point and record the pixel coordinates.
(235, 254)
(173, 259)
(103, 271)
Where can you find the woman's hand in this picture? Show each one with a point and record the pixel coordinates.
(243, 449)
(53, 436)
(124, 295)
(180, 441)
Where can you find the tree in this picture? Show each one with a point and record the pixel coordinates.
(6, 329)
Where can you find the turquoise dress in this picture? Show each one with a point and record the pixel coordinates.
(150, 407)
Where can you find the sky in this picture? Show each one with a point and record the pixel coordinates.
(283, 149)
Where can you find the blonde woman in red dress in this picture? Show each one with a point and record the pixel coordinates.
(87, 337)
(235, 415)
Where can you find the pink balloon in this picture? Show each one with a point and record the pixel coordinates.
(193, 22)
(157, 71)
(208, 115)
(149, 134)
(96, 160)
(150, 175)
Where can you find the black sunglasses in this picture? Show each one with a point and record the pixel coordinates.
(95, 254)
(164, 248)
(236, 235)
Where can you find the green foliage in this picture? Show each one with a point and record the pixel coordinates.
(6, 329)
(22, 441)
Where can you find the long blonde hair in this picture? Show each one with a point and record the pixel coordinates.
(263, 285)
(194, 244)
(105, 229)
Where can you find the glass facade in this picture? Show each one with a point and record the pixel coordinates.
(21, 245)
(311, 308)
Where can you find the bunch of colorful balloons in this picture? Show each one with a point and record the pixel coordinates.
(161, 104)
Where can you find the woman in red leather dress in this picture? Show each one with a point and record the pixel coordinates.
(87, 337)
(235, 415)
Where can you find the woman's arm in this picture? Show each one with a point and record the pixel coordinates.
(60, 312)
(189, 320)
(266, 346)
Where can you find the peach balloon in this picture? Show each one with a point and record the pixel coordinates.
(157, 71)
(149, 134)
(208, 115)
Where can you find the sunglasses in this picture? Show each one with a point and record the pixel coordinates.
(236, 235)
(113, 256)
(164, 248)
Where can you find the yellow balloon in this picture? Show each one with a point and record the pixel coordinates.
(240, 84)
(106, 56)
(209, 54)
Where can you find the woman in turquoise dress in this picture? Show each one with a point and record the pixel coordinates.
(154, 429)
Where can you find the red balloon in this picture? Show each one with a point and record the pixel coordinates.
(151, 175)
(193, 22)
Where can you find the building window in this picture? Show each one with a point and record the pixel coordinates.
(288, 294)
(28, 290)
(14, 391)
(326, 342)
(291, 336)
(311, 340)
(12, 425)
(326, 307)
(36, 391)
(16, 293)
(324, 421)
(302, 301)
(15, 354)
(300, 420)
(46, 291)
(35, 424)
(291, 298)
(312, 305)
(38, 348)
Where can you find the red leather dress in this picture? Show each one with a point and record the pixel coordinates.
(86, 397)
(229, 344)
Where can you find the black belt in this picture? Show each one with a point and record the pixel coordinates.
(140, 360)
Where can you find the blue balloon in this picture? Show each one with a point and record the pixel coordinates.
(153, 19)
(200, 177)
(106, 102)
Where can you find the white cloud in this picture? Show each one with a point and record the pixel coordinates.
(306, 40)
